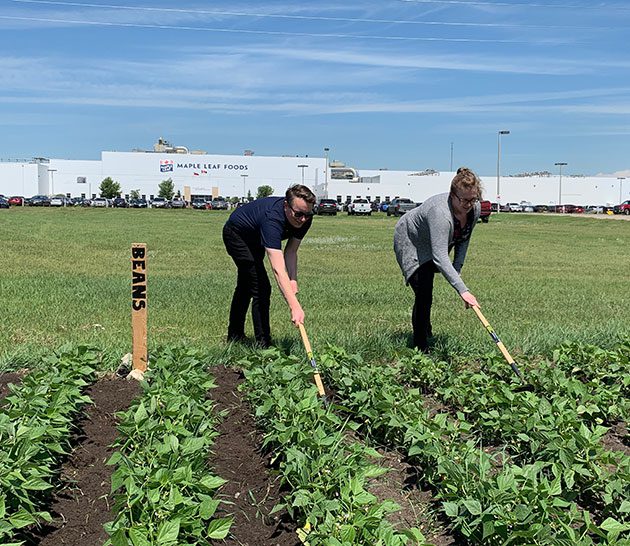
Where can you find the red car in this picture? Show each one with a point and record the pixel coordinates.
(16, 201)
(486, 211)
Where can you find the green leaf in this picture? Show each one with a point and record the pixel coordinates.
(207, 508)
(139, 536)
(219, 528)
(21, 519)
(141, 414)
(168, 532)
(119, 538)
(473, 506)
(212, 482)
(614, 527)
(451, 509)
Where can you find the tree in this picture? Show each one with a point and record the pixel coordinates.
(249, 195)
(134, 194)
(166, 189)
(234, 200)
(264, 191)
(109, 188)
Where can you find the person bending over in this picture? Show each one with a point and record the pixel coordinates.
(423, 239)
(253, 231)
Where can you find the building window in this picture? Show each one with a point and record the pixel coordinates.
(378, 199)
(339, 199)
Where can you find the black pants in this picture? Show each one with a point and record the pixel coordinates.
(252, 285)
(422, 284)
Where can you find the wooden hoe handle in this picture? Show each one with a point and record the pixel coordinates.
(309, 354)
(499, 343)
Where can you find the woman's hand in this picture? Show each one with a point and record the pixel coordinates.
(469, 300)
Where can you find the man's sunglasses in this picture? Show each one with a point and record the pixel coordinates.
(299, 214)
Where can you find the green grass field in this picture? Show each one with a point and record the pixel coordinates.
(541, 280)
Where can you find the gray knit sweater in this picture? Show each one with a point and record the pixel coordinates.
(426, 233)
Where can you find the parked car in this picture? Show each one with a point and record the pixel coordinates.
(595, 209)
(384, 206)
(579, 209)
(60, 201)
(400, 205)
(360, 206)
(4, 203)
(513, 207)
(16, 201)
(541, 208)
(199, 204)
(120, 203)
(486, 211)
(220, 204)
(39, 201)
(326, 206)
(527, 206)
(623, 208)
(178, 203)
(100, 202)
(138, 203)
(160, 203)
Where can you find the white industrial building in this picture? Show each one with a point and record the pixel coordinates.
(207, 175)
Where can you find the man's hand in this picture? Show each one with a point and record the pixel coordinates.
(297, 315)
(469, 300)
(294, 287)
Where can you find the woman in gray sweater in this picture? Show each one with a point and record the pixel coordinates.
(423, 239)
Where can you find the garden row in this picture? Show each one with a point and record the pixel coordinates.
(164, 490)
(509, 467)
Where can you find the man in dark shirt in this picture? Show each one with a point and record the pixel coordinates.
(254, 230)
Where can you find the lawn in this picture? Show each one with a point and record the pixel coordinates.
(540, 279)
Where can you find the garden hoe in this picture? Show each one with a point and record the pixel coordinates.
(309, 354)
(525, 386)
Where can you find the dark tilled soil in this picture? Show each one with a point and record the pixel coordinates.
(616, 439)
(5, 379)
(252, 487)
(399, 485)
(82, 505)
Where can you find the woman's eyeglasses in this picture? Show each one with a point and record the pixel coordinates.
(467, 201)
(300, 215)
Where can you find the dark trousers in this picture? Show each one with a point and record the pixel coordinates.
(422, 284)
(252, 285)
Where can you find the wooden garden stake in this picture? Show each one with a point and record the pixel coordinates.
(139, 309)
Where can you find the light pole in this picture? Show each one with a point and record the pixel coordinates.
(302, 167)
(244, 178)
(326, 150)
(621, 179)
(499, 133)
(451, 157)
(23, 196)
(560, 164)
(52, 180)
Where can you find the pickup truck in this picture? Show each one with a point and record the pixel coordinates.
(360, 206)
(624, 208)
(399, 206)
(486, 211)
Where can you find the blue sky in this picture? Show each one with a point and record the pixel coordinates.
(382, 83)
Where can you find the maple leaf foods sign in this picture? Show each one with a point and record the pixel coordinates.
(196, 169)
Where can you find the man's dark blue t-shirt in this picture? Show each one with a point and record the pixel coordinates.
(263, 222)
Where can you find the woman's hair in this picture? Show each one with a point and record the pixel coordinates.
(466, 180)
(298, 190)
